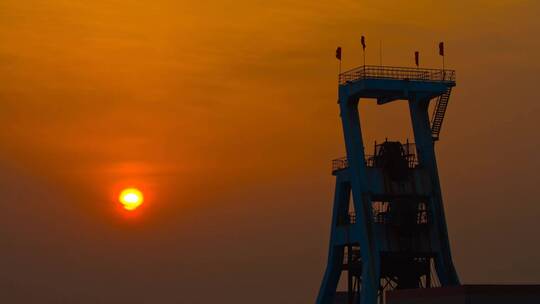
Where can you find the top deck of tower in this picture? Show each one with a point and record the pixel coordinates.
(366, 72)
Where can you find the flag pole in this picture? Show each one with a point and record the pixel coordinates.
(441, 52)
(364, 57)
(380, 53)
(363, 41)
(443, 62)
(339, 74)
(338, 57)
(338, 79)
(443, 71)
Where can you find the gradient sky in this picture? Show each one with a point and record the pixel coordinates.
(224, 113)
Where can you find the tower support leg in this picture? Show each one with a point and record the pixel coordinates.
(335, 255)
(426, 155)
(350, 119)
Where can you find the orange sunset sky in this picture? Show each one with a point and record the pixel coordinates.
(224, 114)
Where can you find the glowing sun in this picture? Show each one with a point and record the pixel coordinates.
(131, 198)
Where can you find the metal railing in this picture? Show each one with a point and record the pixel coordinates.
(408, 150)
(340, 164)
(397, 73)
(352, 217)
(349, 219)
(371, 161)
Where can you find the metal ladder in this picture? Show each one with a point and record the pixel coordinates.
(438, 113)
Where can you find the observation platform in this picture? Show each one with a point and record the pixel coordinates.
(387, 83)
(396, 73)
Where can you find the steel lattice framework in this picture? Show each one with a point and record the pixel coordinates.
(388, 226)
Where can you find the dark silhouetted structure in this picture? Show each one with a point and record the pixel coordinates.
(468, 294)
(392, 234)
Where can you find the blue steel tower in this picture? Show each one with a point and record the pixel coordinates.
(391, 232)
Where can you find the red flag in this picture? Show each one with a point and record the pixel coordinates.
(338, 53)
(417, 58)
(363, 41)
(441, 48)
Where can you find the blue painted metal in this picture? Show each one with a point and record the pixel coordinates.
(377, 249)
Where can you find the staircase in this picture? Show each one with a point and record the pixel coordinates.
(438, 113)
